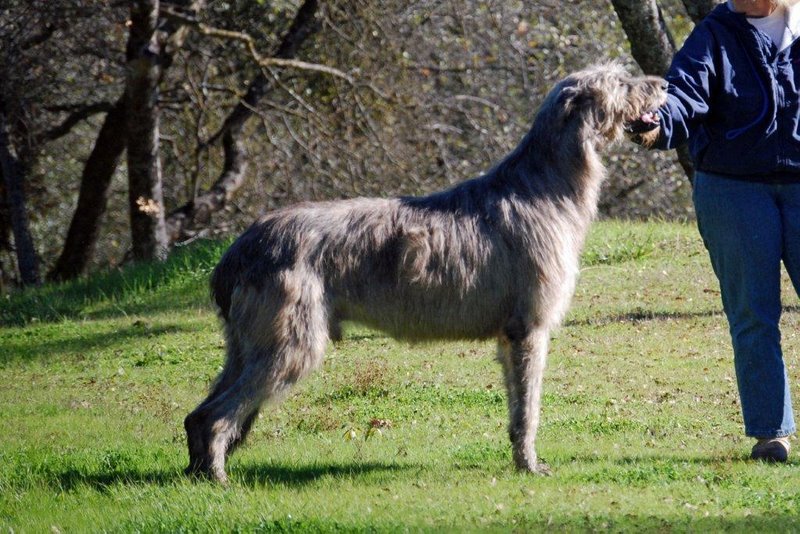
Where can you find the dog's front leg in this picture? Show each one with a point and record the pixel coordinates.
(526, 357)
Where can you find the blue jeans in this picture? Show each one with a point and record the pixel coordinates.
(748, 228)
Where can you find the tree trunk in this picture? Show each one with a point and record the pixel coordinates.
(652, 46)
(99, 169)
(13, 177)
(145, 198)
(93, 196)
(698, 9)
(5, 217)
(199, 210)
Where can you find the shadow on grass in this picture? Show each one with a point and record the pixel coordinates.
(137, 288)
(73, 478)
(643, 522)
(641, 315)
(300, 475)
(30, 348)
(661, 459)
(645, 471)
(248, 475)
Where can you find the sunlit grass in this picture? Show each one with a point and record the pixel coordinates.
(641, 422)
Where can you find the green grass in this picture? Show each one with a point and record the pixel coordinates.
(641, 422)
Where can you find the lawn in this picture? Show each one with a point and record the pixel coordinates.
(640, 421)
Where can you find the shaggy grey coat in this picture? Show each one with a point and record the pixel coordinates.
(493, 257)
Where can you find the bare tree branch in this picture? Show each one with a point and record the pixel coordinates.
(303, 25)
(74, 118)
(235, 164)
(265, 61)
(281, 58)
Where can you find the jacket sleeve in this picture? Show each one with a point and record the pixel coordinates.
(691, 77)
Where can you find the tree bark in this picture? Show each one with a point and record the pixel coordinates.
(14, 177)
(698, 9)
(145, 197)
(5, 236)
(200, 209)
(651, 42)
(652, 46)
(84, 229)
(95, 186)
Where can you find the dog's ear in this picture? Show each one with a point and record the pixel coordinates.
(573, 99)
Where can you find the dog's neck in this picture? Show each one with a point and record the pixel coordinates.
(560, 162)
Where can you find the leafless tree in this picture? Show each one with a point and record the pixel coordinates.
(200, 208)
(33, 112)
(145, 197)
(95, 184)
(261, 104)
(13, 171)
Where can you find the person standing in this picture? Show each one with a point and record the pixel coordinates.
(734, 96)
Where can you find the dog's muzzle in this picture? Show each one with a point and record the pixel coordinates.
(647, 122)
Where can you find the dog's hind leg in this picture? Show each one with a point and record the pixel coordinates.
(284, 340)
(196, 437)
(199, 435)
(523, 353)
(335, 326)
(227, 418)
(225, 421)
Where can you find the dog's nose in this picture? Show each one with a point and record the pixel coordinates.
(664, 85)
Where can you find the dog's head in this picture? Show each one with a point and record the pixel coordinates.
(610, 101)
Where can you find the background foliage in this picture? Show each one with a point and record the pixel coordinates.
(442, 89)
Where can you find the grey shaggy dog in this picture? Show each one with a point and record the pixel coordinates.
(493, 257)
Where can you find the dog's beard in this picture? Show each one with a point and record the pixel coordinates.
(646, 122)
(645, 129)
(645, 139)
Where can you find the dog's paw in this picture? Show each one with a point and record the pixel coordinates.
(524, 463)
(542, 469)
(202, 472)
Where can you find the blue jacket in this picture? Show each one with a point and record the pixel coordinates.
(736, 100)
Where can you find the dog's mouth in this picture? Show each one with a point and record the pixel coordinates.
(646, 122)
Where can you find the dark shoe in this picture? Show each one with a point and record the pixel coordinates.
(771, 450)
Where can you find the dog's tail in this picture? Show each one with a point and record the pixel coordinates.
(247, 261)
(222, 283)
(232, 268)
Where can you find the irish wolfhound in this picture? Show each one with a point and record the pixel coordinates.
(495, 256)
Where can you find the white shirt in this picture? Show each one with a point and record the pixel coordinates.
(782, 25)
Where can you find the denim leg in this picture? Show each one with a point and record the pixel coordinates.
(741, 226)
(789, 204)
